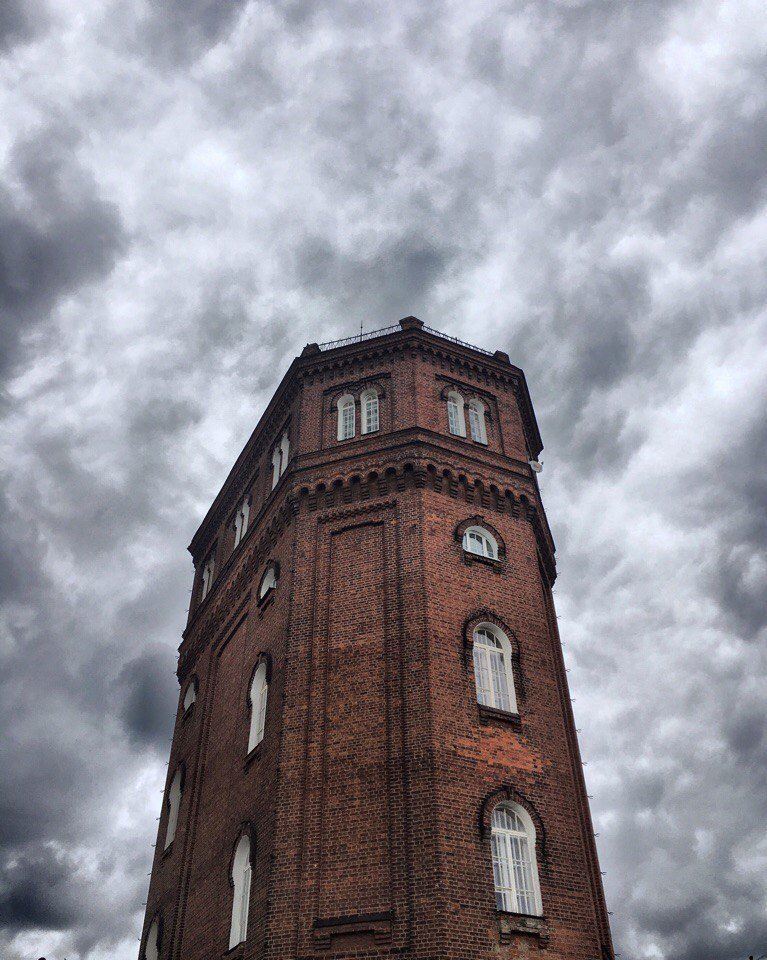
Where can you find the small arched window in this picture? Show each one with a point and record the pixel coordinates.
(369, 406)
(152, 945)
(259, 689)
(346, 417)
(481, 542)
(456, 421)
(492, 668)
(268, 581)
(515, 870)
(174, 802)
(191, 694)
(477, 421)
(208, 569)
(241, 882)
(241, 521)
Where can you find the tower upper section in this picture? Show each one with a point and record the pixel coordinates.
(405, 397)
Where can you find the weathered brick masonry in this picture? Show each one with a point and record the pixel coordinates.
(368, 801)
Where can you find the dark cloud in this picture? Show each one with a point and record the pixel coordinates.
(55, 233)
(181, 31)
(146, 687)
(36, 891)
(20, 20)
(191, 192)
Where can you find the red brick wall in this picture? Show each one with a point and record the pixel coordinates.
(367, 795)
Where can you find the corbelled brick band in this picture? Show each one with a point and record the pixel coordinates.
(368, 801)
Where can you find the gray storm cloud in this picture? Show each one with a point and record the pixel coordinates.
(191, 192)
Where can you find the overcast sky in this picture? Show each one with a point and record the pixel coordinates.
(192, 190)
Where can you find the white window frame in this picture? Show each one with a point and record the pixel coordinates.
(174, 803)
(477, 421)
(152, 945)
(515, 863)
(241, 877)
(369, 411)
(276, 462)
(190, 696)
(489, 547)
(456, 421)
(493, 674)
(208, 570)
(241, 521)
(347, 417)
(259, 690)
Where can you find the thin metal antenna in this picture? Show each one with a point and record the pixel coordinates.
(361, 322)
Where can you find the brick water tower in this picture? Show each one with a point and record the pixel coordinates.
(374, 753)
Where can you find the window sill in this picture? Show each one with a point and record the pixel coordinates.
(167, 851)
(237, 951)
(469, 558)
(523, 924)
(489, 714)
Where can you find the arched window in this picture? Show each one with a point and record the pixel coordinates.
(191, 694)
(280, 455)
(492, 668)
(481, 542)
(477, 421)
(152, 945)
(241, 521)
(257, 696)
(174, 802)
(346, 417)
(268, 581)
(369, 406)
(241, 883)
(207, 576)
(515, 870)
(284, 452)
(455, 419)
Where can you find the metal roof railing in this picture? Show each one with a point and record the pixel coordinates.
(395, 328)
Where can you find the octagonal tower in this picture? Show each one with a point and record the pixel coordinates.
(374, 752)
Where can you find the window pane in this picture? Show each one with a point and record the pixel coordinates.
(347, 420)
(500, 685)
(371, 414)
(476, 429)
(452, 417)
(482, 675)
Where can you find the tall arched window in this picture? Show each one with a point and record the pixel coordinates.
(492, 668)
(455, 419)
(174, 802)
(241, 883)
(257, 696)
(280, 455)
(191, 694)
(152, 945)
(369, 406)
(515, 870)
(481, 542)
(208, 569)
(346, 417)
(477, 421)
(241, 521)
